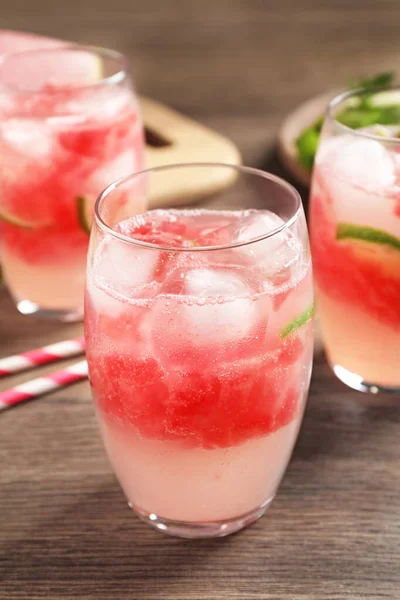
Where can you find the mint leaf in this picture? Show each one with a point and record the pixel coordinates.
(355, 117)
(372, 83)
(307, 144)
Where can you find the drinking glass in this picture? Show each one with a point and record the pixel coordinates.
(69, 126)
(199, 336)
(355, 239)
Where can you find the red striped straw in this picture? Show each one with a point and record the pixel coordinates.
(41, 356)
(43, 385)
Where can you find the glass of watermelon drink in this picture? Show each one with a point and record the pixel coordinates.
(199, 343)
(355, 240)
(69, 126)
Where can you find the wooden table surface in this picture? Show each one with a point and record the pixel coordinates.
(333, 531)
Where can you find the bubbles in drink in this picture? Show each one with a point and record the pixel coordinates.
(216, 307)
(212, 303)
(202, 283)
(236, 265)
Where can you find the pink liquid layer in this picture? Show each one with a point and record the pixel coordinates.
(48, 286)
(370, 353)
(359, 296)
(197, 485)
(48, 161)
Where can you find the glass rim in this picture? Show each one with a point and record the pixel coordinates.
(240, 169)
(343, 96)
(116, 78)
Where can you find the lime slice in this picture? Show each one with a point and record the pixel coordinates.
(16, 221)
(298, 321)
(346, 231)
(84, 208)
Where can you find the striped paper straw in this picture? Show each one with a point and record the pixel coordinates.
(41, 356)
(42, 385)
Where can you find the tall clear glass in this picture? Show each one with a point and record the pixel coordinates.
(69, 126)
(199, 342)
(355, 239)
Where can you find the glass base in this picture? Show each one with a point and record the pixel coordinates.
(212, 529)
(26, 307)
(356, 382)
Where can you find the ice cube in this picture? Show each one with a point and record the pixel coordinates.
(103, 302)
(28, 138)
(213, 228)
(207, 282)
(256, 225)
(113, 321)
(212, 307)
(105, 102)
(26, 144)
(124, 164)
(365, 162)
(125, 268)
(360, 187)
(274, 254)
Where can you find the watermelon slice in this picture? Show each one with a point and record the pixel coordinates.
(61, 68)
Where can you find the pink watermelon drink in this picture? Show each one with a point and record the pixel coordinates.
(199, 344)
(69, 125)
(355, 234)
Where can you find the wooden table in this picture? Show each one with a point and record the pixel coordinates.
(334, 530)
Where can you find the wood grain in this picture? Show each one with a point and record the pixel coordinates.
(333, 533)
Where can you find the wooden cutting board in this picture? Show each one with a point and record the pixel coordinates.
(172, 138)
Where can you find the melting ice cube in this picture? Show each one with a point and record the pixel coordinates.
(274, 254)
(106, 102)
(208, 282)
(122, 165)
(125, 268)
(362, 161)
(216, 307)
(27, 150)
(359, 175)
